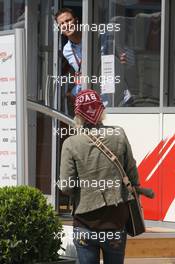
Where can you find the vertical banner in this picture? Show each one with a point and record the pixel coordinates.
(8, 168)
(13, 109)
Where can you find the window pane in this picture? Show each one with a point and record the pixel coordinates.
(12, 14)
(129, 47)
(171, 91)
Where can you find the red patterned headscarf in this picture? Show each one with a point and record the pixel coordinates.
(89, 106)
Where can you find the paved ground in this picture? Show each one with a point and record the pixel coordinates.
(150, 261)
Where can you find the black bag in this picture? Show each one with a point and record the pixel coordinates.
(135, 224)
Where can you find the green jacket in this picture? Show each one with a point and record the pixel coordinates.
(89, 177)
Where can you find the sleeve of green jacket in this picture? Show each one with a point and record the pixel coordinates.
(130, 164)
(68, 173)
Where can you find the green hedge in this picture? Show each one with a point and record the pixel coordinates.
(27, 227)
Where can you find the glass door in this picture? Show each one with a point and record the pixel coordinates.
(42, 62)
(47, 94)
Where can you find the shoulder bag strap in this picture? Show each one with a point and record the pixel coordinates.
(113, 158)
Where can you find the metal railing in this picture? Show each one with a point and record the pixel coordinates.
(50, 112)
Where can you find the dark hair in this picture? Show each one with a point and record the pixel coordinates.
(65, 10)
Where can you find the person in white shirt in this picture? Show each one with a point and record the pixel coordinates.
(72, 51)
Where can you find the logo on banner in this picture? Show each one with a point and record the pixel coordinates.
(5, 140)
(4, 103)
(5, 57)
